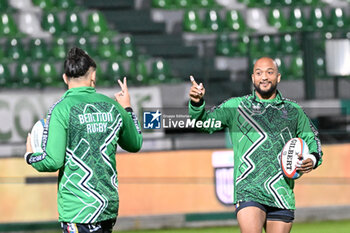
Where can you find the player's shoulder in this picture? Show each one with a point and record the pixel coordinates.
(233, 101)
(103, 97)
(291, 102)
(58, 104)
(230, 103)
(245, 98)
(66, 102)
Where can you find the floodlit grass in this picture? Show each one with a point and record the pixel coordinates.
(312, 227)
(234, 229)
(322, 227)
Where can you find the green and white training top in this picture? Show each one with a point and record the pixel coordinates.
(259, 129)
(80, 140)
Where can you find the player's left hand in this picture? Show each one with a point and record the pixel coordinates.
(28, 144)
(29, 149)
(306, 164)
(123, 97)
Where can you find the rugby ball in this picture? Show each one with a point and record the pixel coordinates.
(36, 135)
(290, 156)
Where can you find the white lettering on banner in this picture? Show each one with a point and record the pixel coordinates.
(20, 109)
(188, 123)
(191, 123)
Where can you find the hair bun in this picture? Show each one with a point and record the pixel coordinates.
(77, 62)
(74, 54)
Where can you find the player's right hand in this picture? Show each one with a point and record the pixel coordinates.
(123, 97)
(197, 91)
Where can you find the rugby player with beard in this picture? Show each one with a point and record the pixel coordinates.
(260, 124)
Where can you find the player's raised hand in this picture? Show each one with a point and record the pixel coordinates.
(123, 97)
(197, 91)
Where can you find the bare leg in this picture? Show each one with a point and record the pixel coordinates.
(251, 219)
(278, 227)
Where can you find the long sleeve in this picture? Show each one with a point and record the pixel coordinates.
(219, 116)
(52, 157)
(308, 132)
(131, 136)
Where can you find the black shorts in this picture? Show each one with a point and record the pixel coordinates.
(272, 213)
(99, 227)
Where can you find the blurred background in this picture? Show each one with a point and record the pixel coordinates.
(181, 178)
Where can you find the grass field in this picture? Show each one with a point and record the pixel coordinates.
(313, 227)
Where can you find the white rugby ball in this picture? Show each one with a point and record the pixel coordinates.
(36, 135)
(290, 156)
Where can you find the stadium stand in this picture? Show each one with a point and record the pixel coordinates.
(48, 75)
(288, 44)
(191, 22)
(24, 75)
(160, 71)
(296, 69)
(224, 45)
(297, 20)
(213, 22)
(234, 21)
(73, 24)
(5, 76)
(337, 18)
(51, 23)
(44, 4)
(7, 25)
(277, 19)
(116, 70)
(16, 50)
(38, 49)
(164, 41)
(65, 4)
(317, 19)
(97, 23)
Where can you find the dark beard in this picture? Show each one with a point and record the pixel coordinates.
(268, 93)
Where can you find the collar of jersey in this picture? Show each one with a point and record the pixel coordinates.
(79, 91)
(277, 100)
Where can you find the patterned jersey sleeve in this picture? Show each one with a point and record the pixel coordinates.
(219, 117)
(308, 132)
(131, 136)
(54, 144)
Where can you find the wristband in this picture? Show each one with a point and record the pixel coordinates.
(128, 109)
(27, 156)
(200, 103)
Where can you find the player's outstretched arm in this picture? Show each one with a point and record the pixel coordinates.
(216, 118)
(131, 136)
(52, 157)
(308, 132)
